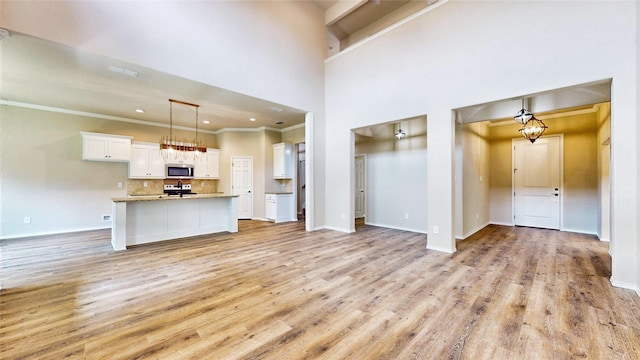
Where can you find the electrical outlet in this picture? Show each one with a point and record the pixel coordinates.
(406, 215)
(27, 220)
(145, 184)
(435, 230)
(119, 185)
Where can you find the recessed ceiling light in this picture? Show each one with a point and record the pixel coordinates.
(252, 119)
(206, 122)
(275, 108)
(140, 111)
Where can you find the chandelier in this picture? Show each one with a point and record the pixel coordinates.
(181, 149)
(532, 127)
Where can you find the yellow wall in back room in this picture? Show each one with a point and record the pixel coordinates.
(580, 182)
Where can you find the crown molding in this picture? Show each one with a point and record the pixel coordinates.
(136, 121)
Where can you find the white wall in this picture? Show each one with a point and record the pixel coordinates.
(637, 139)
(418, 68)
(396, 174)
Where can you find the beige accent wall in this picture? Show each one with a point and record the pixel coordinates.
(294, 136)
(44, 177)
(257, 144)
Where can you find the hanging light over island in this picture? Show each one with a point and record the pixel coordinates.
(181, 149)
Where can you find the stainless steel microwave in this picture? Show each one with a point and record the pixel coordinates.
(179, 171)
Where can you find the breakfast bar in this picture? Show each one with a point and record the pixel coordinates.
(151, 218)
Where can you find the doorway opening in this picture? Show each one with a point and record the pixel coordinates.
(389, 174)
(486, 136)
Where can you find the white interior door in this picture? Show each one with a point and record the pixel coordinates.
(359, 183)
(536, 182)
(242, 185)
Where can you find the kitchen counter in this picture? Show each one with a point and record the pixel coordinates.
(142, 219)
(131, 198)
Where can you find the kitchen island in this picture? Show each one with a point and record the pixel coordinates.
(149, 218)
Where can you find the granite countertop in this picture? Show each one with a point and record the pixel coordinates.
(132, 198)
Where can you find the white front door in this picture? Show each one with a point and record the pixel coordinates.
(536, 182)
(359, 186)
(242, 185)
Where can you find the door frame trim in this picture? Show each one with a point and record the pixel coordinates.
(364, 181)
(513, 180)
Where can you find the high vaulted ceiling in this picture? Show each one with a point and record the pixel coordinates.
(41, 74)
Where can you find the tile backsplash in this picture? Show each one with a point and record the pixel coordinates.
(136, 187)
(156, 186)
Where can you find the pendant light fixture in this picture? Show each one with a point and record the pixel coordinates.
(175, 149)
(400, 134)
(523, 115)
(533, 129)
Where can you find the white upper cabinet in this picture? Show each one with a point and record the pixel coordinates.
(146, 161)
(208, 167)
(282, 161)
(105, 147)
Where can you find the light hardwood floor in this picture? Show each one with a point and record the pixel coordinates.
(273, 291)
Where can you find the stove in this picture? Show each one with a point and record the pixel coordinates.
(177, 189)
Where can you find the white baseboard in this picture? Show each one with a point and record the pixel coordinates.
(396, 228)
(626, 286)
(336, 229)
(478, 228)
(45, 233)
(437, 248)
(579, 231)
(500, 223)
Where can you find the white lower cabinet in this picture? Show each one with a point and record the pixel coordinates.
(279, 207)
